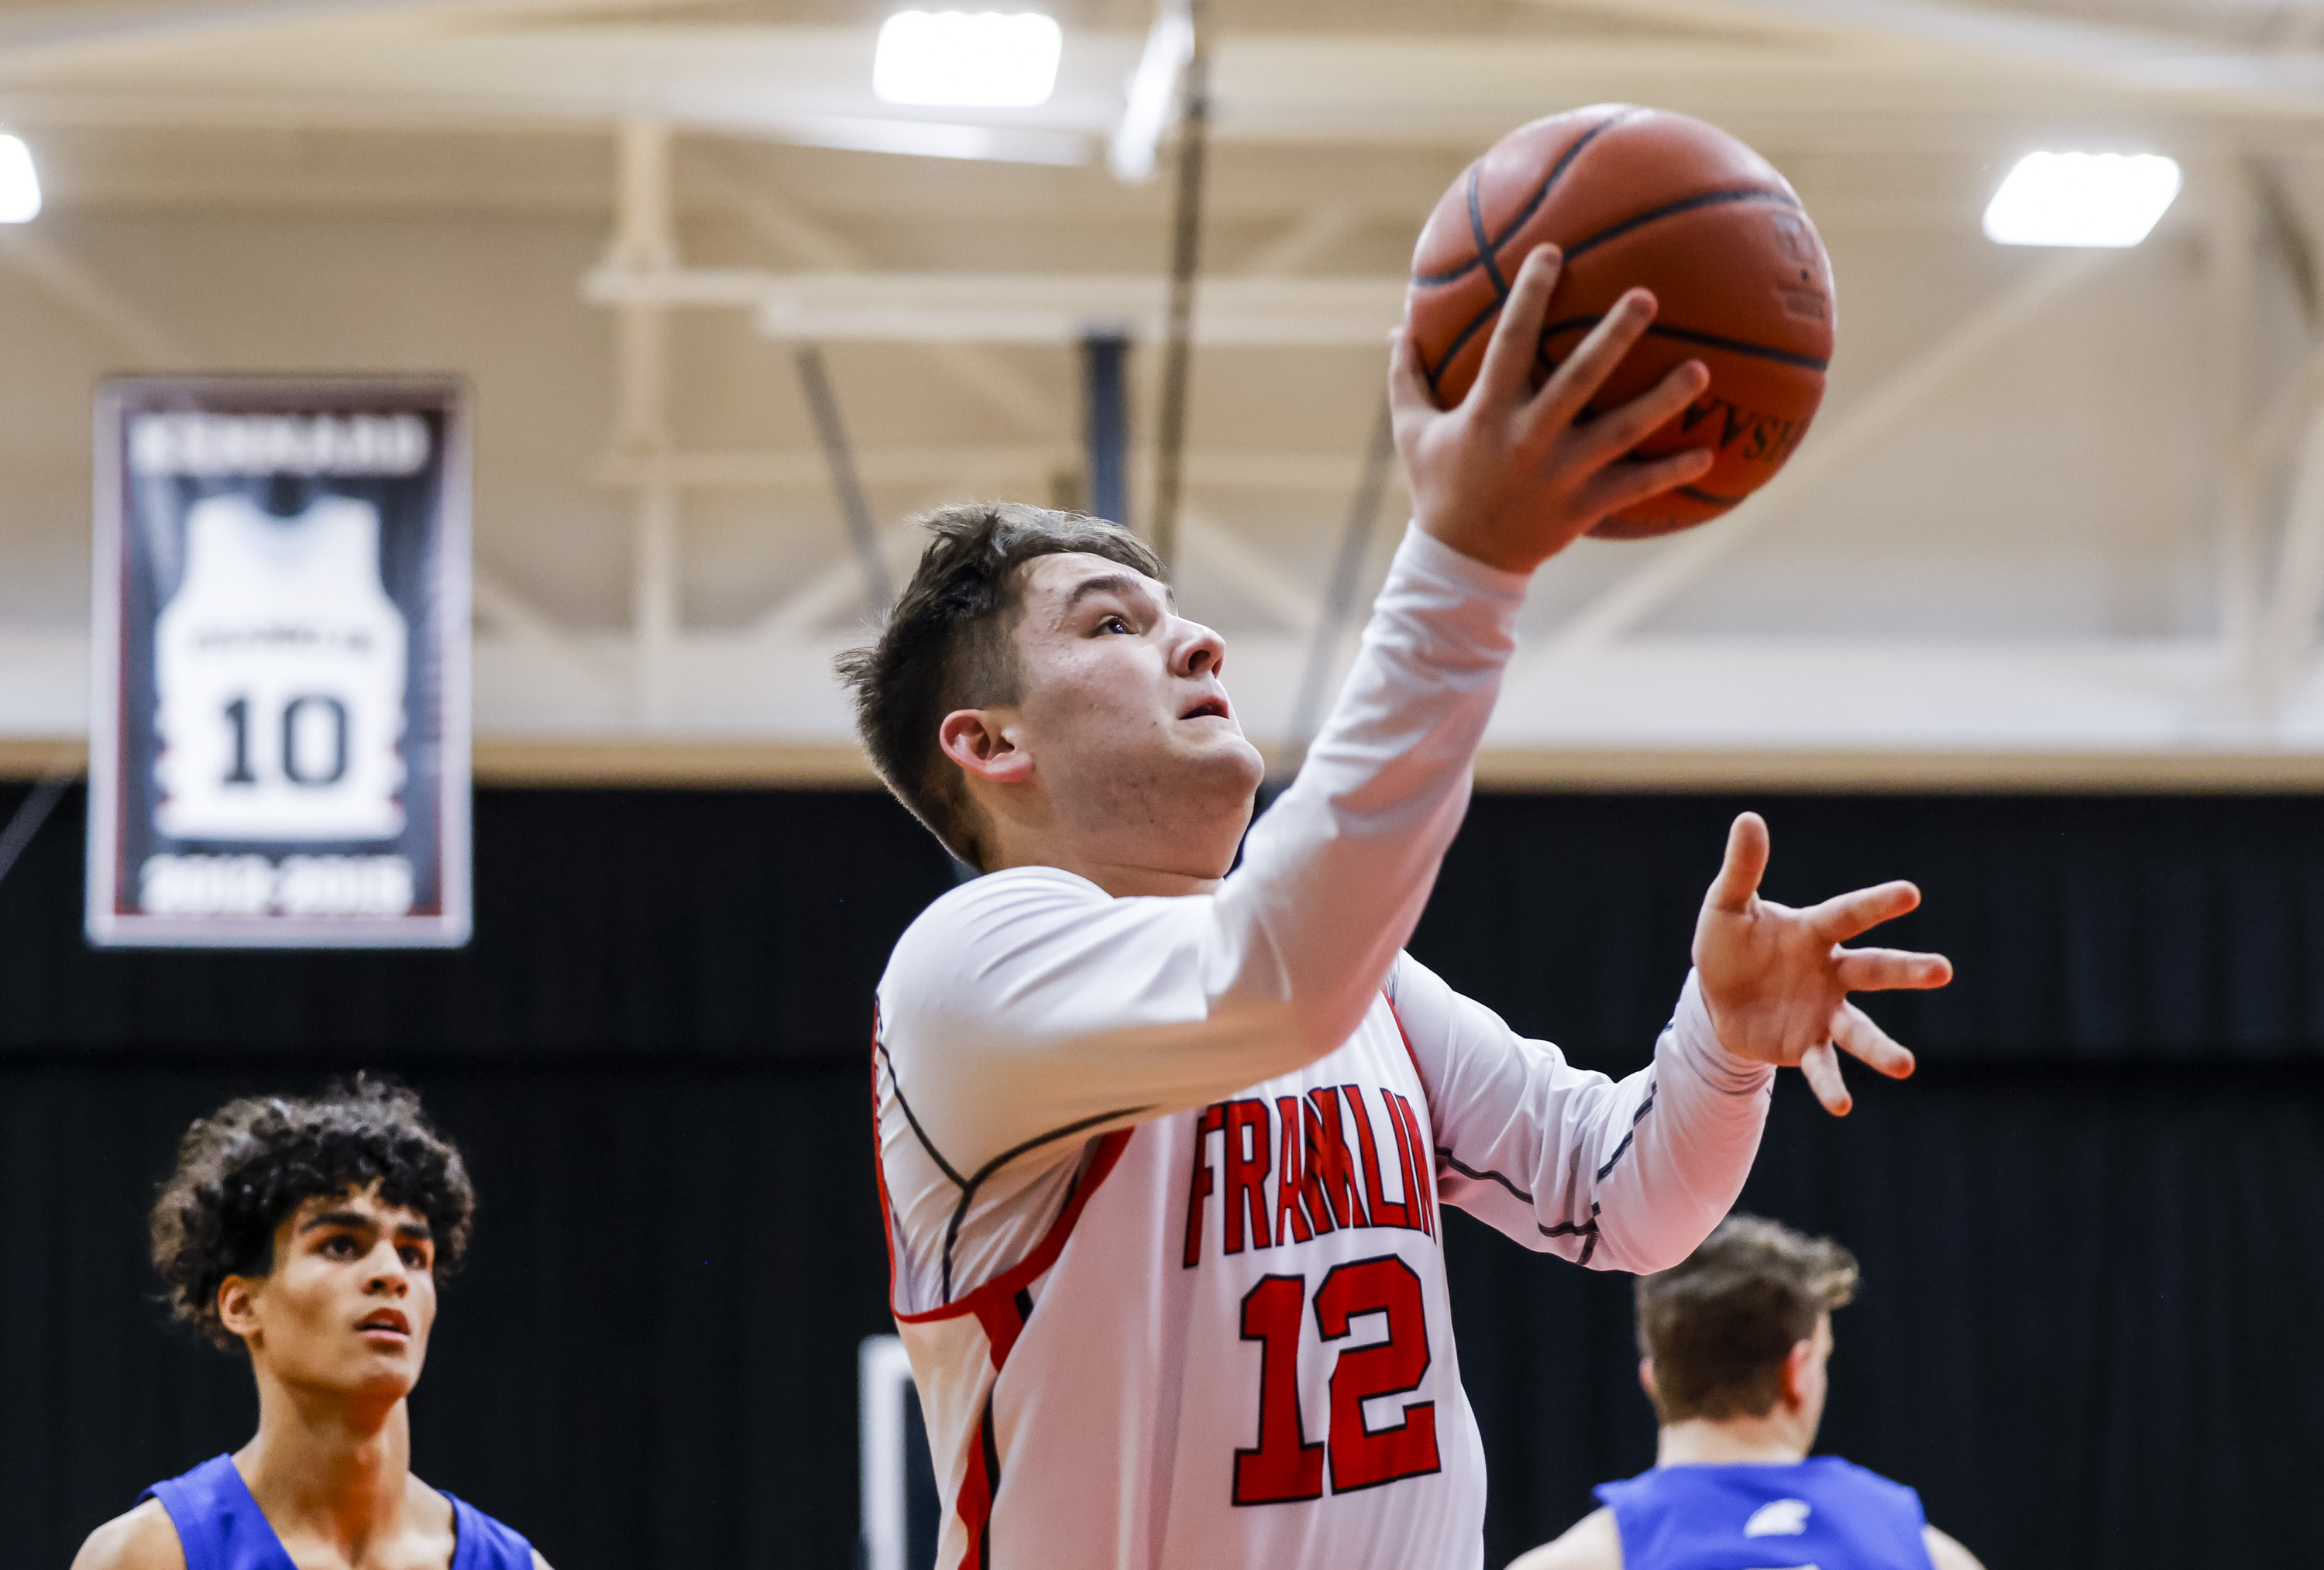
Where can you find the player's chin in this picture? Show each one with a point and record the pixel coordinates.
(1221, 745)
(383, 1378)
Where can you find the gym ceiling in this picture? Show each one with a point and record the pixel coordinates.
(2060, 523)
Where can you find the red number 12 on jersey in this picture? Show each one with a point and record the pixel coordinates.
(1283, 1467)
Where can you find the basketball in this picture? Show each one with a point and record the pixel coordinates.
(1635, 197)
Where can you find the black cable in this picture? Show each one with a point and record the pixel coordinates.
(1339, 599)
(32, 812)
(855, 507)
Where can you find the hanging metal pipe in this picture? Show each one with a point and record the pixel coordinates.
(1185, 261)
(1339, 599)
(1105, 423)
(854, 507)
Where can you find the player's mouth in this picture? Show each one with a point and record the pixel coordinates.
(1209, 708)
(386, 1323)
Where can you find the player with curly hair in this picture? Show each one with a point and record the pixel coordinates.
(313, 1232)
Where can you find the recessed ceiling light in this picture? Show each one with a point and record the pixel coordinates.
(2082, 198)
(987, 60)
(20, 187)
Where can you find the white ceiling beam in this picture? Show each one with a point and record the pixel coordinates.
(39, 258)
(813, 84)
(975, 370)
(48, 29)
(1309, 239)
(970, 468)
(2144, 58)
(1893, 711)
(838, 586)
(518, 619)
(1033, 308)
(1295, 606)
(918, 307)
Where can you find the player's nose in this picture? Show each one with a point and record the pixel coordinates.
(1199, 651)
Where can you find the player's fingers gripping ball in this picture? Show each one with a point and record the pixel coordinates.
(1639, 197)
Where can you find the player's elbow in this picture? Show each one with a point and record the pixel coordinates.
(1646, 1245)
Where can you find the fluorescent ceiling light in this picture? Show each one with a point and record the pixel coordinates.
(20, 187)
(2082, 198)
(985, 61)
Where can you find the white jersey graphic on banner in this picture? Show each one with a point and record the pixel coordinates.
(279, 670)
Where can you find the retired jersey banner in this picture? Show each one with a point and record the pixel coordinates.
(279, 740)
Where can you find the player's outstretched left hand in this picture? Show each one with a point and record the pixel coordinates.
(1776, 980)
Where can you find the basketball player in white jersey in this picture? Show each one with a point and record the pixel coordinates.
(1161, 1147)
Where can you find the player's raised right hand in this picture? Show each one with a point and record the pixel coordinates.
(1514, 475)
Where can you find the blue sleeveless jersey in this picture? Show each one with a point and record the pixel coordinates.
(1822, 1512)
(220, 1526)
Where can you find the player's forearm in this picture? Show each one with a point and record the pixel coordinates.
(1688, 1151)
(1335, 875)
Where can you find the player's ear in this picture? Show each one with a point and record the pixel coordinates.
(237, 1304)
(979, 741)
(1647, 1379)
(1796, 1364)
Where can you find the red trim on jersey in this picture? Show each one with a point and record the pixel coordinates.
(994, 1303)
(1406, 1037)
(1424, 1153)
(977, 1487)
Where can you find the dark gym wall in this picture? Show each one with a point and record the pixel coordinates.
(2090, 1227)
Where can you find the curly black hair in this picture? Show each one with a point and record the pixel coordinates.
(247, 1166)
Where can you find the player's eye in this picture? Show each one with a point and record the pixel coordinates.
(339, 1245)
(414, 1256)
(1114, 624)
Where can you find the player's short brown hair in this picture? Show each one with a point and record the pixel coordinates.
(1719, 1324)
(949, 644)
(251, 1164)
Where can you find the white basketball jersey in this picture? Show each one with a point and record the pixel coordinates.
(1160, 1175)
(1232, 1348)
(280, 668)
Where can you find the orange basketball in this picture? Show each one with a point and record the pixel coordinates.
(1638, 197)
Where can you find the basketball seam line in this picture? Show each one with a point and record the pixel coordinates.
(1533, 204)
(1491, 249)
(1708, 340)
(1435, 373)
(1484, 246)
(1686, 205)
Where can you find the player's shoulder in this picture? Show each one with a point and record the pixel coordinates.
(1592, 1543)
(142, 1539)
(1862, 1479)
(991, 918)
(1002, 896)
(1945, 1553)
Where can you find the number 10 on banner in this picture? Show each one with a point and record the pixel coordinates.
(280, 746)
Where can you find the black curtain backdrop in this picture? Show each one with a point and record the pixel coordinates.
(2092, 1228)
